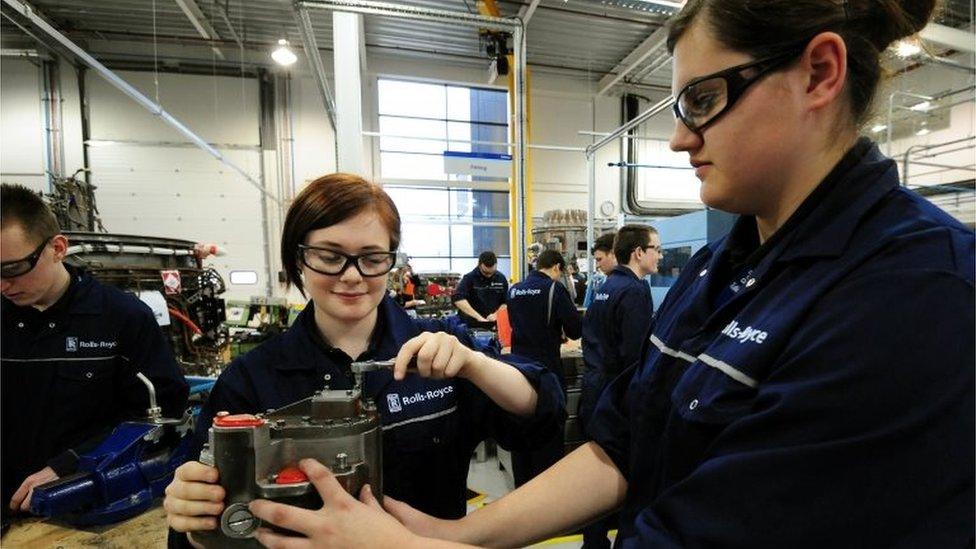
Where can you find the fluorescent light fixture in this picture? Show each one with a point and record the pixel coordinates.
(878, 128)
(922, 107)
(923, 131)
(906, 49)
(283, 54)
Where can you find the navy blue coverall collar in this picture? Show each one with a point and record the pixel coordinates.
(625, 271)
(77, 299)
(821, 227)
(743, 240)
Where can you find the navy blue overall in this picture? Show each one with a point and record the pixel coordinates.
(813, 391)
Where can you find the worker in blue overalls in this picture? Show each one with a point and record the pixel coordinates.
(604, 261)
(339, 243)
(542, 313)
(71, 351)
(481, 292)
(614, 329)
(809, 379)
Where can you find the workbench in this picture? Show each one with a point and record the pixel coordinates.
(144, 531)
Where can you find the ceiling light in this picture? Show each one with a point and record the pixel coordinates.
(906, 49)
(922, 107)
(283, 54)
(878, 128)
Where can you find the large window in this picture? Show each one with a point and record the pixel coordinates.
(444, 227)
(666, 179)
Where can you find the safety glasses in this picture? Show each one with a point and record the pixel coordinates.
(333, 262)
(704, 100)
(20, 267)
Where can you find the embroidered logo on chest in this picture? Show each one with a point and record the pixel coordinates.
(397, 403)
(743, 335)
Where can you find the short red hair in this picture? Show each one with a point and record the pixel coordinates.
(328, 200)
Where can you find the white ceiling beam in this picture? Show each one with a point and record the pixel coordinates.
(949, 37)
(653, 43)
(525, 12)
(200, 22)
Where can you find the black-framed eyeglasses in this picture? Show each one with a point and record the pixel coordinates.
(20, 267)
(656, 247)
(333, 262)
(704, 100)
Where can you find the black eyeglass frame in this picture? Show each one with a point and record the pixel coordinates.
(349, 260)
(31, 260)
(735, 84)
(657, 248)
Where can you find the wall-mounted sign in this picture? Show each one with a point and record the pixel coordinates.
(478, 163)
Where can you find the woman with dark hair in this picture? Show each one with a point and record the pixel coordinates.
(409, 284)
(808, 381)
(338, 244)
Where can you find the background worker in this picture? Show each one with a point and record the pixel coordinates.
(409, 285)
(604, 261)
(71, 351)
(481, 292)
(614, 329)
(542, 314)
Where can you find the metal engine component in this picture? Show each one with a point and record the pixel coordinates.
(136, 263)
(258, 455)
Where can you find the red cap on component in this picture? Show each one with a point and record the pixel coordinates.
(224, 419)
(291, 475)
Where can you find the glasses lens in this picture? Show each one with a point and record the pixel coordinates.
(376, 264)
(15, 268)
(702, 101)
(324, 261)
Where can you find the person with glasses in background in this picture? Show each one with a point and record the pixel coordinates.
(339, 244)
(808, 380)
(614, 329)
(71, 350)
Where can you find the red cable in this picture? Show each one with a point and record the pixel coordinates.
(185, 320)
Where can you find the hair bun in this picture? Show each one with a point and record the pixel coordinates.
(886, 21)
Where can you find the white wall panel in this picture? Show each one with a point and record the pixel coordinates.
(71, 118)
(219, 109)
(22, 149)
(314, 136)
(182, 192)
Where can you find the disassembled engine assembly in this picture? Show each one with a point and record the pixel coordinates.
(258, 455)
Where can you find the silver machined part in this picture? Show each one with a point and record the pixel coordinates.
(364, 366)
(237, 521)
(341, 462)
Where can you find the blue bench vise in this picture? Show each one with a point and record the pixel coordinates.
(123, 475)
